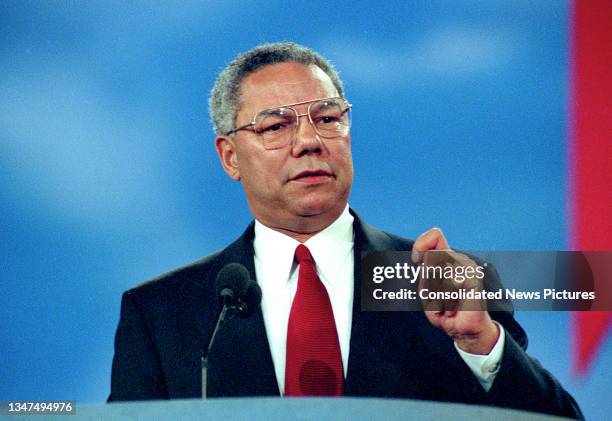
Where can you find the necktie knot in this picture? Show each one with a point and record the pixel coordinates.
(302, 254)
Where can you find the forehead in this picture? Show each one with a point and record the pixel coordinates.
(283, 83)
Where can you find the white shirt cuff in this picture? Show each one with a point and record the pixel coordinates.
(486, 367)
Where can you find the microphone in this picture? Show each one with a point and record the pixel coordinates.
(232, 283)
(249, 304)
(239, 295)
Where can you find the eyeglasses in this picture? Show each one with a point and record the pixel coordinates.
(278, 126)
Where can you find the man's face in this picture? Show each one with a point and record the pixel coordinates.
(305, 185)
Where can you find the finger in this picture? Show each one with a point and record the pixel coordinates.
(432, 239)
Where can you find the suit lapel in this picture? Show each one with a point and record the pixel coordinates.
(368, 374)
(240, 360)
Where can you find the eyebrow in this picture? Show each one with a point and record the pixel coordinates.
(272, 111)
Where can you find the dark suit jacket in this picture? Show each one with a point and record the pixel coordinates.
(166, 324)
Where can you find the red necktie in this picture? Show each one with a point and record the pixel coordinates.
(314, 362)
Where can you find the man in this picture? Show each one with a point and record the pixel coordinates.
(282, 126)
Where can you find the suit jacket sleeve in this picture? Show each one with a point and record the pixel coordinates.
(136, 372)
(522, 382)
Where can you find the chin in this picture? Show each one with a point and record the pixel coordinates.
(315, 207)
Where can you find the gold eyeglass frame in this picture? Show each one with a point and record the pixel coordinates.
(349, 106)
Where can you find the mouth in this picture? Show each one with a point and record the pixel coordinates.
(316, 176)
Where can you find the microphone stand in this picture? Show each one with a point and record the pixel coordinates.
(238, 306)
(204, 362)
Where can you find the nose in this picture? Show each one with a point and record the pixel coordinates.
(306, 140)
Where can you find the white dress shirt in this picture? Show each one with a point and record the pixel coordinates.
(332, 250)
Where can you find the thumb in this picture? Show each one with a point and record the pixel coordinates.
(432, 239)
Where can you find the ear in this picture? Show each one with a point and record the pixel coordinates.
(226, 149)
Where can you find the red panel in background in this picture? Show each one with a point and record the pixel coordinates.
(589, 330)
(590, 156)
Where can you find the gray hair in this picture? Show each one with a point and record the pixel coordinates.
(225, 96)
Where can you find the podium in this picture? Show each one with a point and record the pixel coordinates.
(295, 409)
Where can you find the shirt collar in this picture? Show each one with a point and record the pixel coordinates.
(275, 250)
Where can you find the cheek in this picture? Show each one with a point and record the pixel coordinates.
(345, 158)
(262, 174)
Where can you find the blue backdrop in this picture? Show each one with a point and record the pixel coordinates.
(109, 175)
